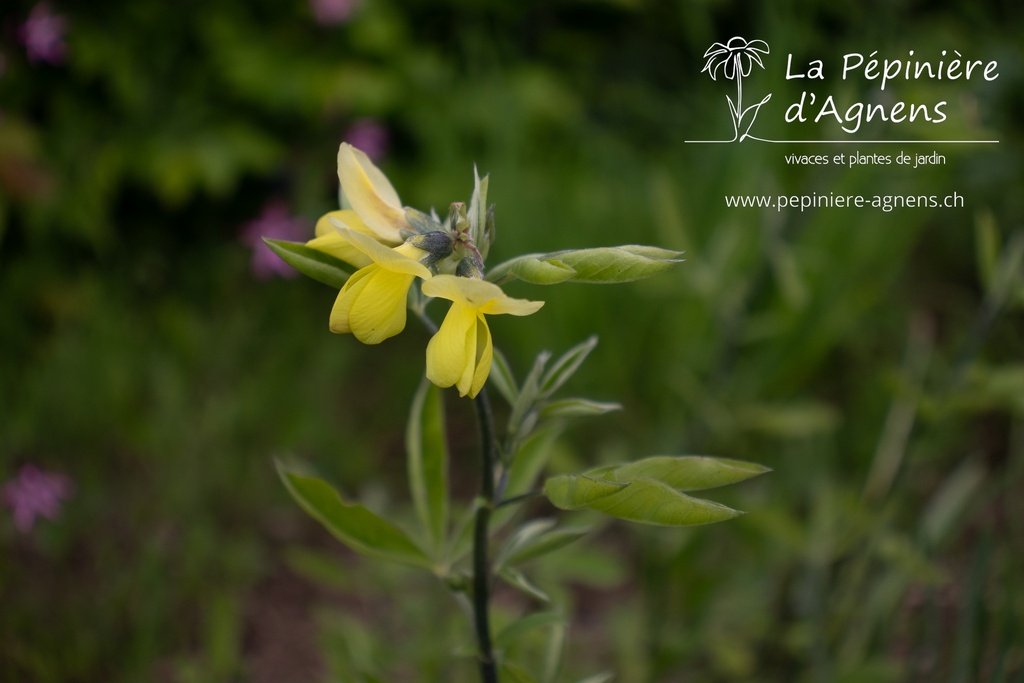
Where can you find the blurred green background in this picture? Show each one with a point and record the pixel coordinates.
(872, 359)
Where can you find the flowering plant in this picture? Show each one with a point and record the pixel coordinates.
(404, 260)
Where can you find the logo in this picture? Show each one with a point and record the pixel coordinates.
(735, 60)
(882, 78)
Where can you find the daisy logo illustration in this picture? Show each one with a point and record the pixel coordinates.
(734, 60)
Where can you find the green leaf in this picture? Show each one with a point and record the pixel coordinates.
(535, 539)
(524, 535)
(572, 491)
(311, 262)
(566, 366)
(351, 523)
(529, 394)
(520, 627)
(528, 462)
(481, 228)
(503, 379)
(518, 580)
(427, 448)
(552, 663)
(685, 473)
(649, 501)
(618, 264)
(601, 265)
(537, 269)
(578, 407)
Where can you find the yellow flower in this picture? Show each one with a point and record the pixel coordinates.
(460, 353)
(372, 304)
(372, 196)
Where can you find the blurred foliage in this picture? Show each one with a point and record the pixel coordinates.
(872, 359)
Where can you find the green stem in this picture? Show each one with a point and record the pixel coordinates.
(481, 536)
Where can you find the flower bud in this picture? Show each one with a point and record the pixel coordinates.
(437, 244)
(481, 217)
(470, 267)
(457, 220)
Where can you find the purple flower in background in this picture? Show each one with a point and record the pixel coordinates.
(278, 224)
(332, 12)
(370, 136)
(43, 35)
(34, 492)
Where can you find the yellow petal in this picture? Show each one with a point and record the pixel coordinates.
(339, 321)
(402, 259)
(484, 356)
(509, 306)
(465, 383)
(448, 352)
(378, 310)
(345, 218)
(337, 246)
(480, 295)
(380, 182)
(370, 194)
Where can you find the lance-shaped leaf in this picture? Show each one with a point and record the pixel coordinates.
(535, 539)
(566, 366)
(546, 543)
(311, 262)
(618, 264)
(351, 523)
(529, 461)
(649, 501)
(685, 473)
(601, 265)
(538, 269)
(578, 407)
(427, 449)
(518, 580)
(573, 491)
(529, 395)
(524, 535)
(502, 378)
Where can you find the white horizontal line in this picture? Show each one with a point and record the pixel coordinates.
(850, 142)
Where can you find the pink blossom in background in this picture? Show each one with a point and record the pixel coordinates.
(43, 35)
(370, 136)
(276, 223)
(332, 12)
(35, 493)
